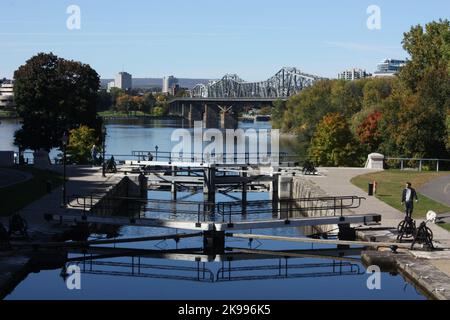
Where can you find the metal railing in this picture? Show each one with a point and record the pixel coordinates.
(228, 212)
(219, 158)
(418, 163)
(139, 269)
(336, 205)
(284, 270)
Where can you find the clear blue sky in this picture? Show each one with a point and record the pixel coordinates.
(207, 38)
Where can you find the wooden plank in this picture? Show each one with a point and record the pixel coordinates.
(298, 222)
(321, 241)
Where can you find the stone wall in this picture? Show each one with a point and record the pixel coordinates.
(128, 187)
(304, 189)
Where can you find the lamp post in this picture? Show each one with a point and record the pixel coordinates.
(103, 150)
(156, 149)
(64, 140)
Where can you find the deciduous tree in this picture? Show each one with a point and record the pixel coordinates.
(54, 95)
(333, 143)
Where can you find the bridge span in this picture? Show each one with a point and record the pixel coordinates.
(219, 102)
(216, 112)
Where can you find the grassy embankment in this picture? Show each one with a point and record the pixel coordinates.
(18, 196)
(390, 184)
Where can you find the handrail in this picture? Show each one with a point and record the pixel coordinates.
(227, 210)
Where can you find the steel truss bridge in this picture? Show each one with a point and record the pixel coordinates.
(285, 83)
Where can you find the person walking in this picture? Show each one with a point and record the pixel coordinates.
(408, 197)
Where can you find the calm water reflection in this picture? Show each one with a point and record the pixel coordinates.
(181, 276)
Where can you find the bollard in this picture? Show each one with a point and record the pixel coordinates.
(370, 192)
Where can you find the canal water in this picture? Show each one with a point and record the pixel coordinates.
(181, 276)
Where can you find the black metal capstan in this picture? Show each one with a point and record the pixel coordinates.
(423, 235)
(406, 229)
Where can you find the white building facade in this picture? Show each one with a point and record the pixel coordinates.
(353, 74)
(389, 67)
(168, 83)
(123, 81)
(7, 95)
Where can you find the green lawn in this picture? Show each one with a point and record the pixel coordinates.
(18, 196)
(446, 226)
(391, 184)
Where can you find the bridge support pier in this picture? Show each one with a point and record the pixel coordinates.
(210, 116)
(227, 119)
(194, 114)
(184, 111)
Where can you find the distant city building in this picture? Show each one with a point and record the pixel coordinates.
(7, 94)
(174, 90)
(168, 84)
(389, 67)
(111, 85)
(353, 74)
(123, 81)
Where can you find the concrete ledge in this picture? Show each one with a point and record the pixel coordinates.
(421, 272)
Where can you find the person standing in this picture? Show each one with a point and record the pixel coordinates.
(408, 197)
(94, 153)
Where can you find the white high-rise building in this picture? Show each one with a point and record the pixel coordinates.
(111, 85)
(123, 81)
(168, 83)
(353, 74)
(389, 67)
(7, 95)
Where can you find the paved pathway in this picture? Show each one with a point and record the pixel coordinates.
(82, 180)
(336, 182)
(438, 190)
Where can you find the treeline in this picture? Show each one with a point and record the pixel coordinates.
(339, 122)
(134, 101)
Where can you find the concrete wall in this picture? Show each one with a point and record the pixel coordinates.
(303, 188)
(110, 203)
